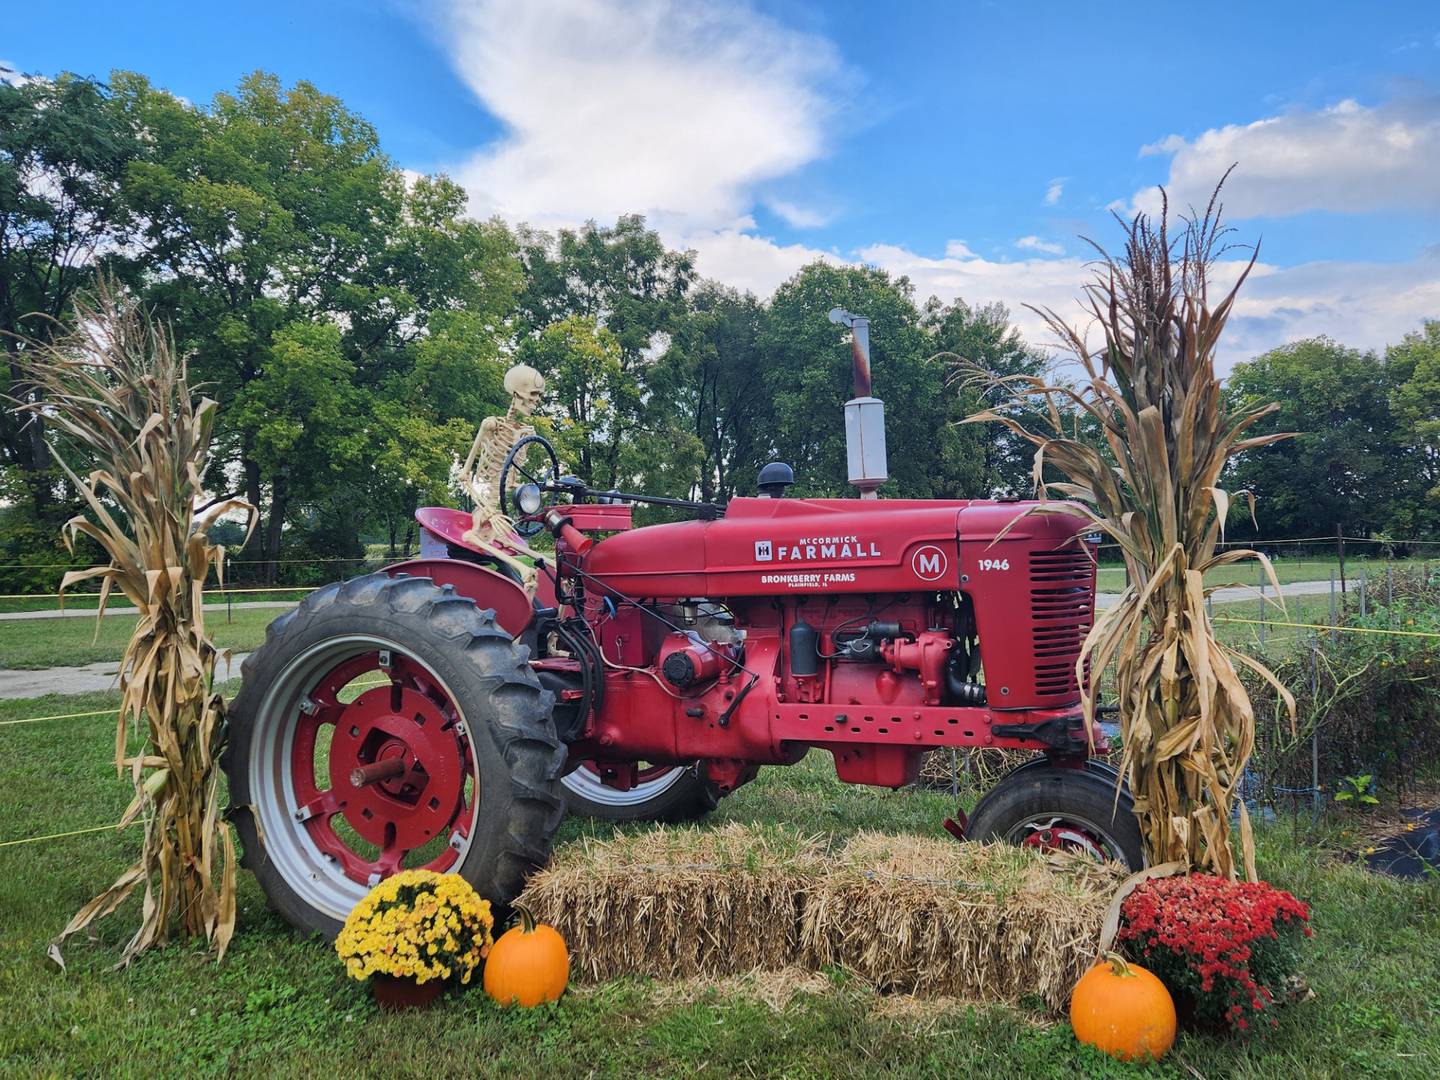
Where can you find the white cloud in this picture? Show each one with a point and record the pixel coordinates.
(798, 217)
(745, 261)
(1349, 158)
(674, 108)
(1366, 305)
(1034, 243)
(1055, 189)
(12, 75)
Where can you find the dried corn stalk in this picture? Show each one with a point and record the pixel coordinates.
(117, 390)
(1187, 724)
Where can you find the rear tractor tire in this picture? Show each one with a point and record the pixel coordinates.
(1051, 807)
(664, 793)
(388, 724)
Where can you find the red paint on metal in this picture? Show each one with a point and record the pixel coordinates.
(409, 721)
(488, 588)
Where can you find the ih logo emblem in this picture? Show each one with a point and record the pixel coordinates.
(763, 551)
(929, 563)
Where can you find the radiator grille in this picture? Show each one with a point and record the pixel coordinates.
(1062, 597)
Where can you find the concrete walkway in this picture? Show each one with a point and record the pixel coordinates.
(89, 613)
(85, 679)
(102, 676)
(1240, 593)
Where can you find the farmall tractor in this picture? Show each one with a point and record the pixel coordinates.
(436, 714)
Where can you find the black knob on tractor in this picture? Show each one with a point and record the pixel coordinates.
(679, 669)
(774, 478)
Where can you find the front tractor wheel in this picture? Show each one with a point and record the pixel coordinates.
(388, 724)
(1055, 808)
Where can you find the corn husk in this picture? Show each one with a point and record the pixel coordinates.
(116, 391)
(1150, 483)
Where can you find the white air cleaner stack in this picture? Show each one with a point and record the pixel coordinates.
(864, 415)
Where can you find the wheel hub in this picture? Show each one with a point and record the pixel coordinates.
(1059, 835)
(418, 797)
(398, 760)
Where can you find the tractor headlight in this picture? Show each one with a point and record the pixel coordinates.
(527, 498)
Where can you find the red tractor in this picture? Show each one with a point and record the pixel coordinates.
(435, 715)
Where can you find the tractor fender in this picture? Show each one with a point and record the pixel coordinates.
(489, 589)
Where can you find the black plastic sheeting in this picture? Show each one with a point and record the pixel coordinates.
(1414, 853)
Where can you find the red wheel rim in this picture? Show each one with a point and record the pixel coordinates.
(1061, 835)
(398, 762)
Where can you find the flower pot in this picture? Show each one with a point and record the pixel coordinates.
(393, 994)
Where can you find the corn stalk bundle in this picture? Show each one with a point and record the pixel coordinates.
(1151, 484)
(117, 391)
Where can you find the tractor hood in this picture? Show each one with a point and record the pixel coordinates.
(767, 547)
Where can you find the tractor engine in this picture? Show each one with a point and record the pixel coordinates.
(874, 630)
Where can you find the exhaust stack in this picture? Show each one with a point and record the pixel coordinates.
(864, 415)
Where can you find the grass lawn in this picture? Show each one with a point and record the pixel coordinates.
(30, 644)
(280, 1005)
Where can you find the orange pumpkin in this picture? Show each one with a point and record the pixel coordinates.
(1124, 1010)
(528, 964)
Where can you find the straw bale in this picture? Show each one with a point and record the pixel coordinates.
(679, 903)
(930, 917)
(906, 914)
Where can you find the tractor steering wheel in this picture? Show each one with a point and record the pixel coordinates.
(546, 481)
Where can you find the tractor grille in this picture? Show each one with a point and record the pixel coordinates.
(1062, 597)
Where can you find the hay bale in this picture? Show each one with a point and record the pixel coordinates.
(931, 917)
(907, 914)
(679, 903)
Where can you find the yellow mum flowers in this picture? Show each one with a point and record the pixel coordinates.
(417, 924)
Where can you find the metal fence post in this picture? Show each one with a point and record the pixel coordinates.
(1334, 634)
(1362, 592)
(1315, 793)
(1261, 570)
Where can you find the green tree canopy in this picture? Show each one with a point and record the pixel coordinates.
(1341, 468)
(65, 145)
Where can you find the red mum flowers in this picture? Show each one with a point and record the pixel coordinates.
(1226, 949)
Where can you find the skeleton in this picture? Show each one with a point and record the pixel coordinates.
(490, 530)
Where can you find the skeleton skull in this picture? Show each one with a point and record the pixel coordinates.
(525, 386)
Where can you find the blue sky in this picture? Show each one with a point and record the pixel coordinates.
(964, 144)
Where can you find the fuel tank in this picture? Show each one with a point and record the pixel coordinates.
(772, 547)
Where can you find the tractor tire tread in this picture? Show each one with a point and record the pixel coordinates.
(502, 696)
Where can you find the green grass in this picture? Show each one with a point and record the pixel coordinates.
(280, 1005)
(31, 644)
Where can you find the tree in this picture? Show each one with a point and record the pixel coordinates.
(586, 392)
(709, 383)
(64, 149)
(281, 234)
(625, 280)
(807, 377)
(994, 462)
(1342, 466)
(1413, 368)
